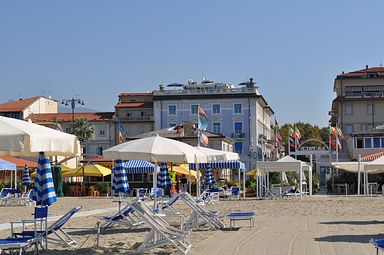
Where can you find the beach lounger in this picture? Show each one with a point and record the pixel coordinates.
(235, 192)
(4, 195)
(210, 196)
(125, 217)
(54, 233)
(27, 199)
(169, 210)
(199, 214)
(161, 232)
(18, 244)
(235, 216)
(378, 243)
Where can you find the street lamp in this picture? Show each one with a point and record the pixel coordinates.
(73, 103)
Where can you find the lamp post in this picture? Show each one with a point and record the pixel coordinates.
(72, 102)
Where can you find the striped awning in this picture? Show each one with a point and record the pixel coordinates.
(140, 166)
(220, 164)
(372, 157)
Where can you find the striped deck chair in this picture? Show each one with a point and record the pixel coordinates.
(199, 214)
(54, 233)
(161, 232)
(125, 217)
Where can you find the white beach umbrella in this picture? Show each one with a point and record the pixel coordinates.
(215, 155)
(156, 149)
(21, 138)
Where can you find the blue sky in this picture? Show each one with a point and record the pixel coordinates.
(98, 49)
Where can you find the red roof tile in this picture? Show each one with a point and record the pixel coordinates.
(135, 105)
(67, 117)
(20, 162)
(18, 105)
(135, 94)
(363, 72)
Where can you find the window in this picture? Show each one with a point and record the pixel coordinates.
(101, 133)
(216, 109)
(238, 147)
(368, 142)
(237, 108)
(141, 129)
(382, 142)
(358, 143)
(194, 108)
(84, 150)
(172, 109)
(216, 128)
(348, 110)
(370, 109)
(172, 125)
(376, 142)
(99, 151)
(143, 113)
(348, 129)
(238, 127)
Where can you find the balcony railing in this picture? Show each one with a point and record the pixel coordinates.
(205, 91)
(238, 135)
(136, 118)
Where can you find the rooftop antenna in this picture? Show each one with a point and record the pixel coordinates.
(381, 64)
(202, 77)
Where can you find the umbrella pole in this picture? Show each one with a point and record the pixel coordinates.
(155, 187)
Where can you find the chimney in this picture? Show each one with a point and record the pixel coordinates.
(250, 84)
(366, 66)
(161, 87)
(342, 72)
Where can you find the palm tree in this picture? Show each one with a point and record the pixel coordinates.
(83, 129)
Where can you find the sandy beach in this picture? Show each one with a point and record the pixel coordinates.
(323, 225)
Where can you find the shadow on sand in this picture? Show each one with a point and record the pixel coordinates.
(353, 222)
(347, 238)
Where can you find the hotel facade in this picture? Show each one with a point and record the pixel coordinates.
(240, 113)
(358, 110)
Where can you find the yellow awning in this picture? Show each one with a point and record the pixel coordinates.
(254, 172)
(64, 168)
(183, 169)
(87, 170)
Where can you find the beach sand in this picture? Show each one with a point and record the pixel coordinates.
(323, 225)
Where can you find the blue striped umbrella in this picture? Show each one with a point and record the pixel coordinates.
(120, 181)
(26, 181)
(208, 177)
(164, 178)
(44, 191)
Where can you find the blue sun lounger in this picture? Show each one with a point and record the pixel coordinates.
(20, 244)
(378, 243)
(54, 233)
(125, 217)
(234, 216)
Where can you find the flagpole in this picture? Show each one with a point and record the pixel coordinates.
(296, 142)
(289, 144)
(198, 146)
(337, 144)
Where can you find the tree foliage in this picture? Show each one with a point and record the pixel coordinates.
(307, 132)
(83, 129)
